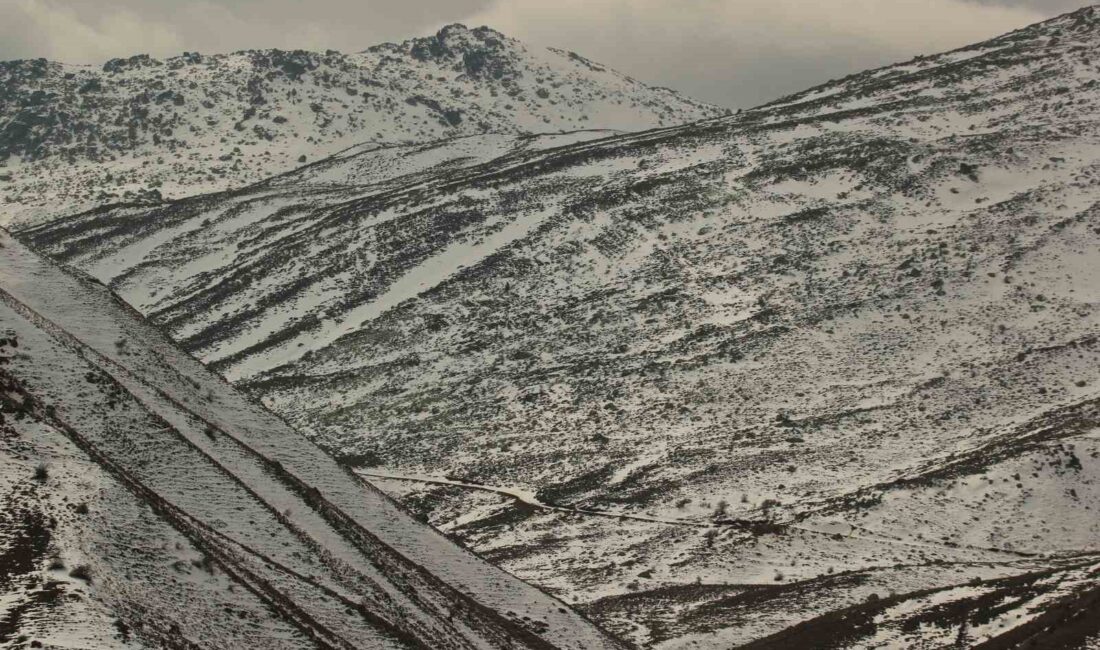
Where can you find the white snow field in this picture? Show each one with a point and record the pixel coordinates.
(820, 374)
(199, 518)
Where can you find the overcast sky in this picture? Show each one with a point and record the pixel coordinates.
(735, 53)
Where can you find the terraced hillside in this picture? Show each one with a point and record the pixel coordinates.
(824, 370)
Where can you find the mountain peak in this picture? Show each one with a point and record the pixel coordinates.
(475, 52)
(77, 136)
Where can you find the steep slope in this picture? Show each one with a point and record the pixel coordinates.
(72, 137)
(832, 356)
(146, 501)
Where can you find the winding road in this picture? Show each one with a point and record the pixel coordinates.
(529, 498)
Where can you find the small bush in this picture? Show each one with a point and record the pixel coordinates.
(708, 537)
(41, 473)
(123, 630)
(206, 563)
(365, 459)
(81, 572)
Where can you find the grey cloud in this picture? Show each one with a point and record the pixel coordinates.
(740, 53)
(1046, 7)
(91, 31)
(731, 52)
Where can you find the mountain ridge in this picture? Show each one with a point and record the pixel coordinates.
(139, 127)
(738, 381)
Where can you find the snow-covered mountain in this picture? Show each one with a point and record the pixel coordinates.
(138, 128)
(148, 505)
(818, 374)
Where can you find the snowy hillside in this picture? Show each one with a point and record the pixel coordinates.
(147, 504)
(134, 129)
(822, 372)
